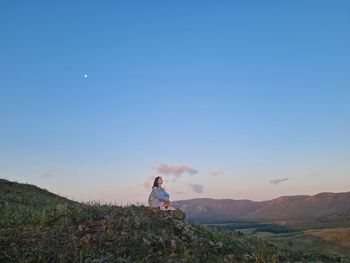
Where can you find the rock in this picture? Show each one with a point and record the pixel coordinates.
(178, 214)
(81, 227)
(179, 224)
(85, 239)
(173, 244)
(248, 258)
(146, 242)
(161, 240)
(230, 258)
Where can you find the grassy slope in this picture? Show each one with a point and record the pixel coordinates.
(38, 226)
(305, 240)
(25, 203)
(339, 236)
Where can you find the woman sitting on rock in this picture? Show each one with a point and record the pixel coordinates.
(159, 198)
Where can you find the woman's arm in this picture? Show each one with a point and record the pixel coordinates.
(160, 194)
(164, 195)
(156, 194)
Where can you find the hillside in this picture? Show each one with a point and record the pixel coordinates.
(299, 207)
(223, 208)
(27, 194)
(282, 208)
(38, 226)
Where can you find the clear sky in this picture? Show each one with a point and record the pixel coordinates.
(224, 99)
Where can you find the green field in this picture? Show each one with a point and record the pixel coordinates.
(306, 236)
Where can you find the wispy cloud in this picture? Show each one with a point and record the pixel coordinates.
(197, 188)
(176, 170)
(278, 181)
(216, 173)
(148, 183)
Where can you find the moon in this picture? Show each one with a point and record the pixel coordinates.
(85, 75)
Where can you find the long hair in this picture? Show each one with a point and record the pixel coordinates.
(155, 184)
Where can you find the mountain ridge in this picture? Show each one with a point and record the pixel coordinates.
(288, 207)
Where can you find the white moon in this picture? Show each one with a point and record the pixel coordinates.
(85, 75)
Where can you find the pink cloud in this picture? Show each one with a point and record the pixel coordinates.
(176, 170)
(148, 183)
(216, 173)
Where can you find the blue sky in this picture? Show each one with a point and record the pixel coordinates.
(243, 93)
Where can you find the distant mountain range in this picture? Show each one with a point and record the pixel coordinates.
(297, 207)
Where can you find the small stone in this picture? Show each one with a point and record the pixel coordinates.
(247, 257)
(173, 244)
(219, 244)
(161, 240)
(146, 242)
(229, 258)
(85, 239)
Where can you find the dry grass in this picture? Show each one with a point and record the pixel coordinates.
(339, 236)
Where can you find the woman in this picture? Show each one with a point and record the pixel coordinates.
(159, 198)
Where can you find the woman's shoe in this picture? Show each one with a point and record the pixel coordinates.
(171, 208)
